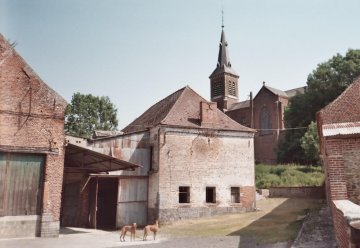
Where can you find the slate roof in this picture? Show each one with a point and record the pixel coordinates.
(293, 92)
(181, 109)
(223, 63)
(239, 105)
(276, 91)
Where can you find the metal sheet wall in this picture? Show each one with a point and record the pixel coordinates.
(132, 201)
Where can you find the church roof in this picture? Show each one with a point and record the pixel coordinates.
(288, 94)
(223, 63)
(181, 109)
(276, 91)
(239, 105)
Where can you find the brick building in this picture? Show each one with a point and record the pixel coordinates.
(31, 149)
(196, 161)
(339, 133)
(264, 112)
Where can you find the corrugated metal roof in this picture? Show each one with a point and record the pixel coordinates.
(345, 128)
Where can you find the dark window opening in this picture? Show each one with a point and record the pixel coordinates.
(235, 195)
(217, 89)
(184, 194)
(232, 88)
(210, 195)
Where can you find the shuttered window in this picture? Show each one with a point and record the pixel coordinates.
(20, 183)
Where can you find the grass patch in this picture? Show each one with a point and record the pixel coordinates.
(279, 220)
(267, 176)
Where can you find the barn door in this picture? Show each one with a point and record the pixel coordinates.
(2, 183)
(132, 201)
(20, 184)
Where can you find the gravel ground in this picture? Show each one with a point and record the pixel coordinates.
(317, 231)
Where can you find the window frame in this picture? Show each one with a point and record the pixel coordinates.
(184, 190)
(210, 195)
(235, 197)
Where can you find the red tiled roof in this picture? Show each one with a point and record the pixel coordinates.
(345, 108)
(182, 109)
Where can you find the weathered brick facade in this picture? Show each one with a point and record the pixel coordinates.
(338, 125)
(200, 159)
(32, 121)
(270, 130)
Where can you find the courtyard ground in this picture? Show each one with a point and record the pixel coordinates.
(276, 224)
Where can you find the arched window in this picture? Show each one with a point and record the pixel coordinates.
(265, 121)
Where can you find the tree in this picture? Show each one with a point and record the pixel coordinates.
(310, 144)
(324, 84)
(87, 113)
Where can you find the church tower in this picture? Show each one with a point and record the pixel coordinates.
(224, 80)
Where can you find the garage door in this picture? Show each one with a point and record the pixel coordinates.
(20, 184)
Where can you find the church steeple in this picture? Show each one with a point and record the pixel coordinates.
(224, 79)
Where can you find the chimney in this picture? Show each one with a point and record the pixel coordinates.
(208, 114)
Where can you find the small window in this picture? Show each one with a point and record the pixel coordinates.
(184, 194)
(210, 195)
(235, 195)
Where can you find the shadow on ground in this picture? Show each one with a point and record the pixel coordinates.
(70, 230)
(279, 227)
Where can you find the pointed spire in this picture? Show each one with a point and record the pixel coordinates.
(223, 58)
(223, 62)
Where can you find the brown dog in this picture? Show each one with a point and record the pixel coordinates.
(132, 230)
(151, 228)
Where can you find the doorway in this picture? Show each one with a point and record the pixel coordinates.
(106, 203)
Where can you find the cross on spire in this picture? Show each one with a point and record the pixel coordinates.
(222, 18)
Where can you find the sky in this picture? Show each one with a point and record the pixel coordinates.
(137, 52)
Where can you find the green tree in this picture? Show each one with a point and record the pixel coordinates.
(324, 84)
(310, 144)
(87, 113)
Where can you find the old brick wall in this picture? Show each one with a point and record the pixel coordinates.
(340, 227)
(242, 116)
(342, 168)
(32, 120)
(200, 159)
(298, 192)
(266, 142)
(352, 169)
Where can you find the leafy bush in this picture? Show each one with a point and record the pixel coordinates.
(267, 176)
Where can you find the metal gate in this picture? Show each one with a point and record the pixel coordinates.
(132, 201)
(20, 184)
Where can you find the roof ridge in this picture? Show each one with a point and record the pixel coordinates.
(177, 100)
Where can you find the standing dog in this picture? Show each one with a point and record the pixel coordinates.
(132, 230)
(151, 228)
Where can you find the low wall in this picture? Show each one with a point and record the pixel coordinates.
(19, 226)
(297, 192)
(346, 218)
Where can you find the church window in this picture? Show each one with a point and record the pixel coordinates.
(232, 88)
(217, 89)
(265, 121)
